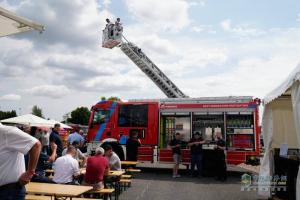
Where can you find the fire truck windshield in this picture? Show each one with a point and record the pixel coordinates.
(100, 116)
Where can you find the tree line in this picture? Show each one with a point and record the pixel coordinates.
(80, 115)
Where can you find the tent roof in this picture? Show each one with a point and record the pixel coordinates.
(61, 124)
(284, 88)
(10, 23)
(28, 119)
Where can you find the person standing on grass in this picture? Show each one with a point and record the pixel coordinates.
(175, 145)
(14, 144)
(196, 153)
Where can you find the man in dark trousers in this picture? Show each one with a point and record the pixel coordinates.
(55, 138)
(196, 153)
(220, 158)
(175, 145)
(132, 146)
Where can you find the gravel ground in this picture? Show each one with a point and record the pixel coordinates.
(158, 184)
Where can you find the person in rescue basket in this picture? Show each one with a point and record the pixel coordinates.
(220, 158)
(175, 145)
(196, 153)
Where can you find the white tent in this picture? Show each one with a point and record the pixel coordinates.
(281, 123)
(29, 120)
(10, 23)
(61, 124)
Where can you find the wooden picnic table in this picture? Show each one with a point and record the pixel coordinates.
(57, 190)
(125, 162)
(49, 171)
(111, 172)
(115, 173)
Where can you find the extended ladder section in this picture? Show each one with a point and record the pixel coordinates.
(151, 70)
(112, 37)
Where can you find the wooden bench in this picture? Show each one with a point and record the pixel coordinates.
(133, 170)
(84, 199)
(37, 197)
(125, 183)
(106, 192)
(126, 176)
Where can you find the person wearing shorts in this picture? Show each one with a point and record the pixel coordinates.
(175, 145)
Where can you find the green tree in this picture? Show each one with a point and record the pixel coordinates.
(37, 111)
(80, 115)
(7, 114)
(103, 98)
(112, 98)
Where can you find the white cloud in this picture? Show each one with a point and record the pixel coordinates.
(105, 83)
(52, 91)
(226, 25)
(298, 18)
(164, 15)
(106, 2)
(203, 28)
(243, 30)
(197, 3)
(10, 97)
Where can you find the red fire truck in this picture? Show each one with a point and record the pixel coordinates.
(158, 120)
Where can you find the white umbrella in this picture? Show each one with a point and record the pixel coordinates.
(29, 120)
(61, 124)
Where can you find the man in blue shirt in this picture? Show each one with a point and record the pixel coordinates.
(75, 136)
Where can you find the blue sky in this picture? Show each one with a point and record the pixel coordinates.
(207, 47)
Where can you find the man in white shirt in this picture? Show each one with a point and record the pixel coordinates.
(14, 144)
(66, 167)
(113, 158)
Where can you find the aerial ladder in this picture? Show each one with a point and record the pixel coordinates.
(113, 37)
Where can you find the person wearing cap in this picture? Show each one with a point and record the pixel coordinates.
(97, 167)
(195, 145)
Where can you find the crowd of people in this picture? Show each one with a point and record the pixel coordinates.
(27, 154)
